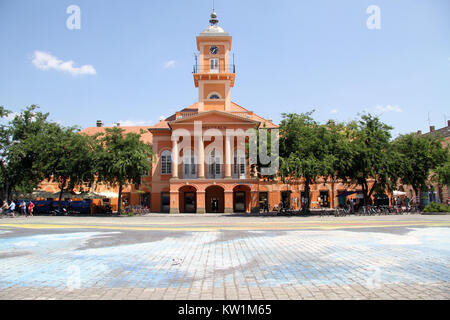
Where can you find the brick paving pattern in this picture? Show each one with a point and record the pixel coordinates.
(406, 262)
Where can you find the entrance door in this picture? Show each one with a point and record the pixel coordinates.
(214, 199)
(324, 199)
(264, 201)
(165, 202)
(189, 202)
(239, 201)
(286, 198)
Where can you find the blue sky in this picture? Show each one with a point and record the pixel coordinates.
(291, 56)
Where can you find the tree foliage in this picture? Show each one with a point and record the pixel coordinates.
(305, 150)
(122, 158)
(20, 148)
(67, 157)
(419, 155)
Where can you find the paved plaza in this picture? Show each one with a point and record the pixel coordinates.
(225, 257)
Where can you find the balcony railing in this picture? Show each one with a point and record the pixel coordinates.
(221, 69)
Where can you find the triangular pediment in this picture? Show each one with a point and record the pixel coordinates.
(215, 116)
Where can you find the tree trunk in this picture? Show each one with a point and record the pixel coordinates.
(365, 191)
(62, 186)
(372, 189)
(332, 193)
(5, 176)
(416, 190)
(119, 205)
(307, 193)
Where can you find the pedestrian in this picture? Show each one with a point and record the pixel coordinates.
(407, 202)
(12, 207)
(399, 201)
(280, 206)
(23, 208)
(5, 207)
(30, 208)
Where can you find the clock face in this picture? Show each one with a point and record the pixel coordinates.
(214, 50)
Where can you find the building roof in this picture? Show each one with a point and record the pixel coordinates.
(146, 136)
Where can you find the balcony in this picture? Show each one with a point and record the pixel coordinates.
(208, 70)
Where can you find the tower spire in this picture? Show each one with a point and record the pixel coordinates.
(213, 19)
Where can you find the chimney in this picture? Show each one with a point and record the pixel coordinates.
(431, 128)
(419, 132)
(448, 123)
(99, 123)
(118, 124)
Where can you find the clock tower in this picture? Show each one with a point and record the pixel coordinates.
(214, 74)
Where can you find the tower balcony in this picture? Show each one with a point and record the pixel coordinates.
(227, 72)
(231, 68)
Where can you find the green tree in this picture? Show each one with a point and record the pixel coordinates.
(122, 158)
(443, 173)
(304, 150)
(370, 156)
(19, 150)
(419, 155)
(66, 157)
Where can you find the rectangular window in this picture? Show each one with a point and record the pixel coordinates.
(166, 165)
(214, 65)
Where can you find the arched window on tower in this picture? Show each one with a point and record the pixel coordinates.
(214, 96)
(166, 162)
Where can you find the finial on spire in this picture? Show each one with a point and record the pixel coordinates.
(213, 19)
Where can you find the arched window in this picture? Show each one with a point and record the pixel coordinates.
(189, 165)
(166, 162)
(215, 165)
(214, 96)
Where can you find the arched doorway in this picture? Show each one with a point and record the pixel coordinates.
(214, 199)
(188, 199)
(241, 198)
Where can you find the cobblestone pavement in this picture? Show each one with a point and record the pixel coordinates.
(225, 257)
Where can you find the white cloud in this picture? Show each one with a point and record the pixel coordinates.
(46, 61)
(169, 64)
(334, 111)
(388, 108)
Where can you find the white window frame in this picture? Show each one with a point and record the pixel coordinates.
(214, 65)
(239, 170)
(214, 166)
(190, 166)
(166, 162)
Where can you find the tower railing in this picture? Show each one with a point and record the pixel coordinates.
(231, 68)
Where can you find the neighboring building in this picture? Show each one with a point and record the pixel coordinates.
(437, 192)
(203, 180)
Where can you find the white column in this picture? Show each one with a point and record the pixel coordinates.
(201, 158)
(175, 154)
(228, 156)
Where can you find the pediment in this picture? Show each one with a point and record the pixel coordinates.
(215, 117)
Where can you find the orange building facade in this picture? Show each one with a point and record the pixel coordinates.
(198, 167)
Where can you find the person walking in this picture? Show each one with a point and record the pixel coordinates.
(30, 208)
(12, 208)
(23, 208)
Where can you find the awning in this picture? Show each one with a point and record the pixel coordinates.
(347, 193)
(399, 193)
